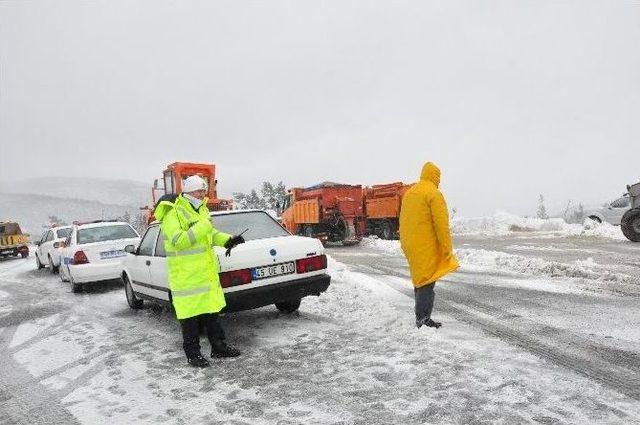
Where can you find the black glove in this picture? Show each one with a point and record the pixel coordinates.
(232, 243)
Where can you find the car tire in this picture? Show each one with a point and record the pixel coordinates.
(133, 301)
(39, 265)
(630, 225)
(595, 218)
(288, 307)
(53, 269)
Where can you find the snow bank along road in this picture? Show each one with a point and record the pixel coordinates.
(536, 330)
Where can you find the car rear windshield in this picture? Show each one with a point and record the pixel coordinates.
(63, 233)
(260, 224)
(105, 233)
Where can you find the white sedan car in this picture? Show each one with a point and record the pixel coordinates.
(49, 251)
(271, 267)
(94, 252)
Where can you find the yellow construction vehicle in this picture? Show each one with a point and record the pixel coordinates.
(12, 241)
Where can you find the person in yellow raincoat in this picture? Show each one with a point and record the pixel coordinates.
(425, 239)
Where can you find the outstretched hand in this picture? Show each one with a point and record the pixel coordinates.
(232, 243)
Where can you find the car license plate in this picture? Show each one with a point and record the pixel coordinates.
(112, 254)
(274, 270)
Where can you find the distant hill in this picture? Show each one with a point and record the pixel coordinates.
(114, 192)
(32, 211)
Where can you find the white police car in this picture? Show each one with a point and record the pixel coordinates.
(94, 252)
(271, 267)
(49, 248)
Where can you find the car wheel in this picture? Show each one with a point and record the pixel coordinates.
(288, 307)
(631, 225)
(39, 265)
(53, 269)
(132, 300)
(595, 218)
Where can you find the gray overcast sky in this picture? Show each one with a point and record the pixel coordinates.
(510, 98)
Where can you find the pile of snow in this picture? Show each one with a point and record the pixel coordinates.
(503, 224)
(486, 260)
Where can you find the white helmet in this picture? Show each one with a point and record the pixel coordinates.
(193, 183)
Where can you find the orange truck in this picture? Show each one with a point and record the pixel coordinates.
(382, 209)
(331, 212)
(171, 184)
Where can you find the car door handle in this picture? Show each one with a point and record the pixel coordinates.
(148, 262)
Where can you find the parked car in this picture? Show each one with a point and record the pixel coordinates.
(611, 212)
(94, 251)
(271, 267)
(49, 248)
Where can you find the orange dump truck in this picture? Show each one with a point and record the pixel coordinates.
(171, 184)
(382, 209)
(329, 211)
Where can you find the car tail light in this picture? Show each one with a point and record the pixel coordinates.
(311, 264)
(80, 258)
(235, 278)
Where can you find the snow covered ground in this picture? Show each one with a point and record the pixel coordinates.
(538, 329)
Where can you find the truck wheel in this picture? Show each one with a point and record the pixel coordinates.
(53, 269)
(39, 265)
(132, 300)
(630, 225)
(307, 231)
(385, 230)
(288, 307)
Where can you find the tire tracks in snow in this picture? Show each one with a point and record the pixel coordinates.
(614, 368)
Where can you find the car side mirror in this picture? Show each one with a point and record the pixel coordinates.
(58, 244)
(37, 243)
(131, 249)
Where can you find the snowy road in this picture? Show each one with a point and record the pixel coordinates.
(536, 330)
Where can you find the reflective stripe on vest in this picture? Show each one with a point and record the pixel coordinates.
(185, 214)
(192, 236)
(186, 252)
(189, 292)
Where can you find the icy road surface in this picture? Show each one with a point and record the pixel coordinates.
(537, 329)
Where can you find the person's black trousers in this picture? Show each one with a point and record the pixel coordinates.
(424, 302)
(191, 332)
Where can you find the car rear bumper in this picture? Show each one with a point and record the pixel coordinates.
(84, 273)
(278, 292)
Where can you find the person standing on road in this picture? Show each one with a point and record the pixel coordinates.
(425, 239)
(196, 293)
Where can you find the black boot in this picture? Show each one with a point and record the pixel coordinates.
(198, 361)
(432, 324)
(428, 323)
(221, 349)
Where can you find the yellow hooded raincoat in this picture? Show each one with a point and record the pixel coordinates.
(424, 230)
